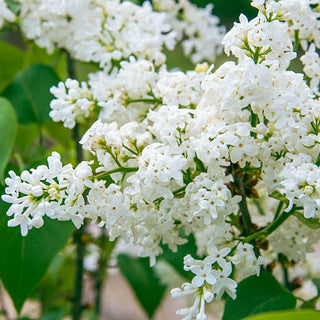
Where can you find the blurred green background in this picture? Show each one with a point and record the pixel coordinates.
(229, 10)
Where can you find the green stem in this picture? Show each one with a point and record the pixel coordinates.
(286, 277)
(179, 190)
(71, 70)
(296, 40)
(17, 157)
(103, 175)
(243, 206)
(106, 247)
(76, 137)
(256, 55)
(279, 208)
(130, 150)
(245, 215)
(158, 101)
(78, 235)
(40, 136)
(80, 248)
(258, 205)
(136, 147)
(113, 156)
(271, 227)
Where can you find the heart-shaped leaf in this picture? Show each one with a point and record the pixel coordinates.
(8, 125)
(24, 260)
(11, 61)
(29, 93)
(143, 281)
(256, 295)
(175, 259)
(288, 315)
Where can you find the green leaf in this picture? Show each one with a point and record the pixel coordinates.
(11, 61)
(8, 125)
(175, 259)
(24, 260)
(199, 165)
(312, 223)
(36, 55)
(26, 135)
(29, 93)
(57, 286)
(61, 134)
(13, 5)
(143, 281)
(288, 315)
(316, 282)
(278, 196)
(229, 11)
(256, 295)
(311, 304)
(53, 315)
(177, 58)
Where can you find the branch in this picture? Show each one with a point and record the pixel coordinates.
(271, 227)
(245, 214)
(80, 247)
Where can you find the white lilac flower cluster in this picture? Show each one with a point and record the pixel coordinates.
(196, 28)
(302, 23)
(211, 278)
(98, 31)
(47, 190)
(301, 17)
(74, 101)
(126, 95)
(179, 153)
(108, 31)
(5, 14)
(293, 239)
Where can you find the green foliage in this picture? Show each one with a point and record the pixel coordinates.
(277, 195)
(316, 282)
(8, 125)
(13, 5)
(312, 223)
(26, 135)
(34, 144)
(288, 315)
(256, 295)
(56, 287)
(24, 260)
(53, 315)
(230, 12)
(143, 281)
(311, 304)
(59, 133)
(11, 61)
(31, 266)
(177, 58)
(36, 55)
(175, 259)
(29, 93)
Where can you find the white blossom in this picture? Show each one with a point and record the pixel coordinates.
(183, 153)
(98, 31)
(5, 14)
(195, 27)
(72, 102)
